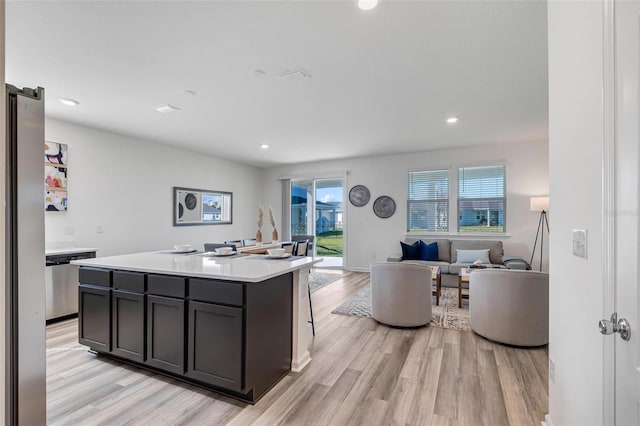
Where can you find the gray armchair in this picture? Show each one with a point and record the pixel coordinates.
(510, 306)
(401, 294)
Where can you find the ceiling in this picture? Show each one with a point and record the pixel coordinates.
(382, 81)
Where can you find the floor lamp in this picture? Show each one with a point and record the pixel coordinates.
(540, 204)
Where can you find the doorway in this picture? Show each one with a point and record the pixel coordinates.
(325, 198)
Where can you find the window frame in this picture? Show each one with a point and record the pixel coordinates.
(504, 198)
(410, 201)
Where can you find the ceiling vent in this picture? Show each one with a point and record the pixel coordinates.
(166, 108)
(294, 75)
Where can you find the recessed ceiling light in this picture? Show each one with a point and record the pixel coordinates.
(264, 146)
(69, 102)
(367, 4)
(166, 108)
(452, 120)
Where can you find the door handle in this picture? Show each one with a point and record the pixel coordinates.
(615, 325)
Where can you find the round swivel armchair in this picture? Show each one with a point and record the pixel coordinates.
(401, 294)
(510, 306)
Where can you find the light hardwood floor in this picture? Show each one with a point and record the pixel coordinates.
(362, 373)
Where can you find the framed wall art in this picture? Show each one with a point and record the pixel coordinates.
(55, 176)
(201, 207)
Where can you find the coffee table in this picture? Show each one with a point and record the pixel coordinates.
(463, 277)
(437, 278)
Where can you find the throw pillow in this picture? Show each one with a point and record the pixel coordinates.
(470, 256)
(428, 251)
(410, 251)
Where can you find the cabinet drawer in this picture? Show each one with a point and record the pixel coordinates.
(133, 281)
(215, 291)
(165, 285)
(94, 276)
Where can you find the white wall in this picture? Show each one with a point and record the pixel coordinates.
(370, 238)
(126, 185)
(575, 150)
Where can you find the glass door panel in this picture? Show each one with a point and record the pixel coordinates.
(323, 197)
(328, 218)
(301, 204)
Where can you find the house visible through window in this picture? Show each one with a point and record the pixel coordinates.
(428, 201)
(481, 199)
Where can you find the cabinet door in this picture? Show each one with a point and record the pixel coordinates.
(128, 325)
(94, 313)
(165, 333)
(215, 345)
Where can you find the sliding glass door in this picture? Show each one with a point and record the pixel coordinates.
(301, 204)
(323, 197)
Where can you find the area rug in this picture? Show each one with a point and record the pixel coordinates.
(446, 315)
(317, 280)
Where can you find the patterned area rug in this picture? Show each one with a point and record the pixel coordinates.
(317, 280)
(446, 315)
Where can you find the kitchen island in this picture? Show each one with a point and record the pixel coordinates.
(235, 324)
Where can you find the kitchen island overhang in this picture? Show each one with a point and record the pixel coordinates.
(236, 325)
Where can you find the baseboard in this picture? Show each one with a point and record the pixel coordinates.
(356, 269)
(547, 420)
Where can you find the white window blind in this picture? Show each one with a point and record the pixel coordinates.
(481, 199)
(428, 202)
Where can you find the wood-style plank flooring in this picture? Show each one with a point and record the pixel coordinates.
(362, 373)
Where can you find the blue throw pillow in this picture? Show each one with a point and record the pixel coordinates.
(410, 251)
(428, 251)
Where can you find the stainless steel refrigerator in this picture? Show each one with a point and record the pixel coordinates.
(25, 261)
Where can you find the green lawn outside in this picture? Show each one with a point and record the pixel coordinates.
(329, 244)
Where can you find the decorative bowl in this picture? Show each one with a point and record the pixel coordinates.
(276, 252)
(224, 250)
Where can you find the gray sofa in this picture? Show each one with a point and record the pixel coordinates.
(447, 253)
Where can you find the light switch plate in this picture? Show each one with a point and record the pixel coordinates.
(580, 243)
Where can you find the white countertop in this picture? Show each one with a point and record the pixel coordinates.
(250, 268)
(68, 250)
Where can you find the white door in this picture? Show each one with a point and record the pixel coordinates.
(627, 159)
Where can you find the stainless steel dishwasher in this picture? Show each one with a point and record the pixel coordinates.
(61, 285)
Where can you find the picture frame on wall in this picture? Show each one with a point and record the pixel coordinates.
(55, 176)
(202, 207)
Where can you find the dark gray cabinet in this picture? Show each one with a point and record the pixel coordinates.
(94, 311)
(233, 337)
(215, 345)
(165, 333)
(128, 321)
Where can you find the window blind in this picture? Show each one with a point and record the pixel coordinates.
(481, 199)
(428, 201)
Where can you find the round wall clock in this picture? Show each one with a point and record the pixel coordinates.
(359, 195)
(384, 207)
